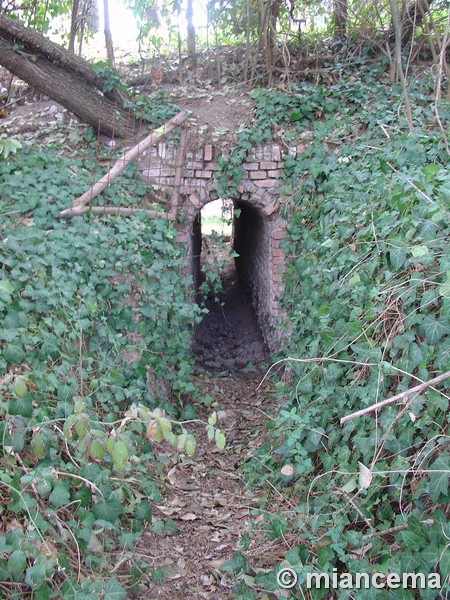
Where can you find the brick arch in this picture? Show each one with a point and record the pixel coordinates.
(258, 236)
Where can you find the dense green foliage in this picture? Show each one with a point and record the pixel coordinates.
(95, 335)
(368, 300)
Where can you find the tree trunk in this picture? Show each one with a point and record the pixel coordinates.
(64, 77)
(398, 62)
(411, 18)
(191, 35)
(74, 25)
(340, 20)
(108, 34)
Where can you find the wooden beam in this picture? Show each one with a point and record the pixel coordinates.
(175, 198)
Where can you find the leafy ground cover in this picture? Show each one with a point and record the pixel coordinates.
(95, 335)
(368, 299)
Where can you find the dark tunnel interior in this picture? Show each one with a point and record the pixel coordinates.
(230, 336)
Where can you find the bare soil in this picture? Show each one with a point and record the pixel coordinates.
(206, 498)
(228, 339)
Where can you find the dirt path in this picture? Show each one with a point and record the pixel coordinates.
(204, 496)
(228, 338)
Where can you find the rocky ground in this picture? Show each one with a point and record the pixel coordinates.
(228, 338)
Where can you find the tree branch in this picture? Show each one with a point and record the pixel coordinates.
(414, 390)
(122, 163)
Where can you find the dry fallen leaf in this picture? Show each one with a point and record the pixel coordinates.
(365, 476)
(189, 517)
(287, 470)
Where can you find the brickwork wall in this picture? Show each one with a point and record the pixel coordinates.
(258, 232)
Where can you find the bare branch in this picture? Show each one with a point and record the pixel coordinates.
(123, 162)
(403, 395)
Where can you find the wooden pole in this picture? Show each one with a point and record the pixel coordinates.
(174, 200)
(113, 210)
(123, 162)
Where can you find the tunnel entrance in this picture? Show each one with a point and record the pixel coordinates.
(229, 336)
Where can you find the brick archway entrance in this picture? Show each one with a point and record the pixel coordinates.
(258, 231)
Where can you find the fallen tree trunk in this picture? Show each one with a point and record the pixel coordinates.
(64, 77)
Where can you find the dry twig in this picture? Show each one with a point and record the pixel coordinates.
(403, 395)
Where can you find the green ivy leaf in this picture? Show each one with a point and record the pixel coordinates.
(37, 573)
(60, 495)
(433, 329)
(440, 479)
(13, 354)
(420, 251)
(17, 562)
(6, 290)
(120, 455)
(43, 593)
(20, 387)
(397, 257)
(108, 511)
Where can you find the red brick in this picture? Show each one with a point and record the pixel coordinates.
(266, 164)
(194, 164)
(280, 234)
(276, 152)
(251, 166)
(271, 208)
(277, 277)
(195, 200)
(258, 175)
(203, 174)
(208, 156)
(276, 173)
(277, 252)
(267, 183)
